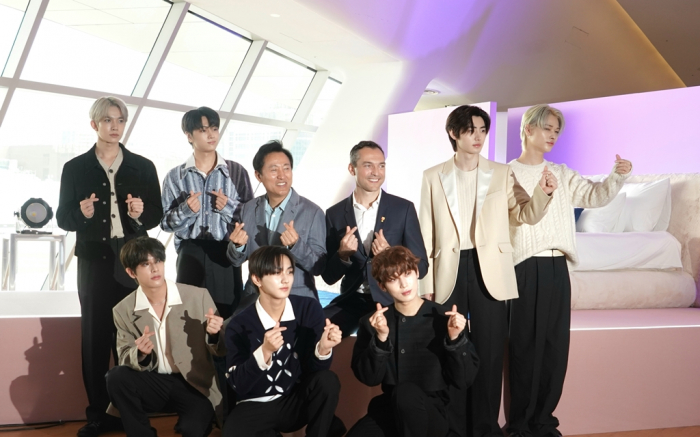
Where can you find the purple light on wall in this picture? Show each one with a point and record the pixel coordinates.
(658, 131)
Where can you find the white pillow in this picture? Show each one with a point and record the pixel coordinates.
(602, 219)
(665, 217)
(644, 205)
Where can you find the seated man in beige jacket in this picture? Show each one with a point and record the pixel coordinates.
(166, 334)
(467, 206)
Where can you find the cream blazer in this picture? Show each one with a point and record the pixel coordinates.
(500, 202)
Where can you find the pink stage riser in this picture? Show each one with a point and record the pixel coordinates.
(40, 374)
(631, 379)
(618, 379)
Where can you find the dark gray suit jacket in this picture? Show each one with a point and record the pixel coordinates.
(309, 252)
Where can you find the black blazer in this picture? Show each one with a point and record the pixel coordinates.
(401, 228)
(82, 176)
(417, 350)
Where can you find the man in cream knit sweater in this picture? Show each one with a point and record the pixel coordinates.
(540, 317)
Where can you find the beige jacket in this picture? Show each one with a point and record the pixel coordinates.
(500, 202)
(187, 338)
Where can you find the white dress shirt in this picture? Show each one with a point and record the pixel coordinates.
(366, 219)
(166, 364)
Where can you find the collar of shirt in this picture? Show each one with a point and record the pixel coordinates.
(172, 298)
(358, 205)
(267, 321)
(271, 221)
(191, 165)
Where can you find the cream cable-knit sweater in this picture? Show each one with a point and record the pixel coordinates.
(557, 229)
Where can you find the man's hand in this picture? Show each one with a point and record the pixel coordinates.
(348, 244)
(548, 182)
(429, 296)
(456, 323)
(134, 206)
(193, 201)
(87, 206)
(144, 343)
(272, 341)
(378, 322)
(329, 339)
(622, 166)
(239, 237)
(214, 322)
(379, 244)
(290, 236)
(220, 199)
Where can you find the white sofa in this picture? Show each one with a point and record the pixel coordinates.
(621, 289)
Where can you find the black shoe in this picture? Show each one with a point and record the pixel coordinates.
(95, 428)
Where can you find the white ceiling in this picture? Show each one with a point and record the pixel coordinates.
(516, 53)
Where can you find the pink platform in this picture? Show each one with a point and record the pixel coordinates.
(628, 369)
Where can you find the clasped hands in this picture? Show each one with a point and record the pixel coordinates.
(455, 324)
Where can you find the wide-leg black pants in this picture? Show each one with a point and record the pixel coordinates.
(407, 411)
(102, 283)
(312, 403)
(540, 321)
(135, 394)
(488, 332)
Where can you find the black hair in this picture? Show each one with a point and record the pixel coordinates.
(192, 120)
(136, 251)
(355, 151)
(267, 260)
(267, 148)
(460, 121)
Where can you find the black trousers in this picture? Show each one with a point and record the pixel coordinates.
(102, 283)
(488, 328)
(312, 403)
(347, 309)
(203, 263)
(540, 321)
(136, 393)
(407, 412)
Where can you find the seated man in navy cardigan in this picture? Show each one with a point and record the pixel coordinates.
(279, 355)
(417, 350)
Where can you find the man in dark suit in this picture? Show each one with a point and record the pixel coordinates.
(280, 217)
(108, 196)
(358, 228)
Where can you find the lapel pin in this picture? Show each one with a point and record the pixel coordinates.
(383, 218)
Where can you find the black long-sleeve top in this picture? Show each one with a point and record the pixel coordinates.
(417, 350)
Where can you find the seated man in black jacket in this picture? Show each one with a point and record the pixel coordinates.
(416, 349)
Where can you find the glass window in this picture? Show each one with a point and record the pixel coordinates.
(300, 145)
(323, 103)
(276, 88)
(201, 64)
(11, 14)
(95, 44)
(3, 93)
(158, 136)
(40, 133)
(242, 140)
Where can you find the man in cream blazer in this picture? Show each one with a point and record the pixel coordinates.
(467, 206)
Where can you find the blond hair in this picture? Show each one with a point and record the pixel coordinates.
(537, 116)
(99, 109)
